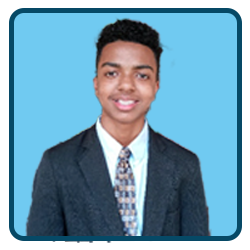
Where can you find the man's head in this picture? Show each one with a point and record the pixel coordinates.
(130, 31)
(127, 72)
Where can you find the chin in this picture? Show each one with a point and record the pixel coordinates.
(130, 120)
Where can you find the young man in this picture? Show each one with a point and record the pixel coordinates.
(119, 177)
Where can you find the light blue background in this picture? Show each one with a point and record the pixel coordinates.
(196, 105)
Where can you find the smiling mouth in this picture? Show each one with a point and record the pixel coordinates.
(128, 102)
(125, 105)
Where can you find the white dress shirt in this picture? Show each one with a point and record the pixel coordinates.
(138, 162)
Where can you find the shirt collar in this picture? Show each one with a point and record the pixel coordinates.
(137, 147)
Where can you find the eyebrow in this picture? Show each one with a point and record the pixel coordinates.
(117, 65)
(144, 67)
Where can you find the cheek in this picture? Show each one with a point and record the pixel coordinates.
(103, 91)
(148, 93)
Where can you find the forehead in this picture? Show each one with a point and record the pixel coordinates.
(127, 54)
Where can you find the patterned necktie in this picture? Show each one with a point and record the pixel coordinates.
(125, 193)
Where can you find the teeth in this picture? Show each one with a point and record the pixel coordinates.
(129, 102)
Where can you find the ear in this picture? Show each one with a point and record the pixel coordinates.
(157, 86)
(95, 84)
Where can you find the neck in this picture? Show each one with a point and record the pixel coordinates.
(124, 133)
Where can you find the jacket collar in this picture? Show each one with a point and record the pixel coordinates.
(159, 185)
(92, 163)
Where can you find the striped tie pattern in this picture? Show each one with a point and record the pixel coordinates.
(125, 193)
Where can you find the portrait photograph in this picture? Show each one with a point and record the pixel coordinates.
(125, 123)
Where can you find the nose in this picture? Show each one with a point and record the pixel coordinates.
(126, 83)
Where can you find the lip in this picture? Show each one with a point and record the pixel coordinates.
(125, 107)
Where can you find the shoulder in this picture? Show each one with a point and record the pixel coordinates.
(70, 148)
(183, 158)
(172, 147)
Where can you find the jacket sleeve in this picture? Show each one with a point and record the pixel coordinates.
(194, 212)
(46, 216)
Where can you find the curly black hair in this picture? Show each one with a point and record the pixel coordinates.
(131, 31)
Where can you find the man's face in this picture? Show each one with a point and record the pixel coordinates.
(126, 81)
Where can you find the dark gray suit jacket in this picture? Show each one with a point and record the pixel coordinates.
(72, 192)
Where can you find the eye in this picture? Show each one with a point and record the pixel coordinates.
(142, 76)
(111, 74)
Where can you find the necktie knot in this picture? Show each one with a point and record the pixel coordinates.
(124, 153)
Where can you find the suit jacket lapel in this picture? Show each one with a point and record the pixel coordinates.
(159, 184)
(93, 165)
